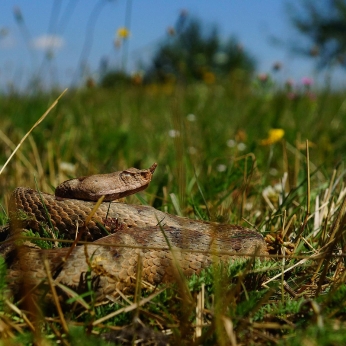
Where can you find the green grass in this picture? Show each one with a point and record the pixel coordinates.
(214, 168)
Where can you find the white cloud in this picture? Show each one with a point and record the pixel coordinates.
(48, 42)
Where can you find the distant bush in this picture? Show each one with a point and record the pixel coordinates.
(193, 52)
(114, 79)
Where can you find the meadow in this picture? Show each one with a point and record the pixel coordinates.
(252, 154)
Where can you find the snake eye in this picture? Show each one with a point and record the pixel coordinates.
(126, 176)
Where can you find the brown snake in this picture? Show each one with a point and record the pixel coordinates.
(141, 238)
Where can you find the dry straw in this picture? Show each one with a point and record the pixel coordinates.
(28, 133)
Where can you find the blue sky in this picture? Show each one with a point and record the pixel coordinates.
(22, 44)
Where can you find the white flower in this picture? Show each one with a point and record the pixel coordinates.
(231, 143)
(221, 58)
(248, 206)
(192, 150)
(273, 194)
(241, 146)
(173, 133)
(273, 171)
(67, 167)
(191, 117)
(221, 168)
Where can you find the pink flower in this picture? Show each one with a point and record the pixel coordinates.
(263, 77)
(307, 81)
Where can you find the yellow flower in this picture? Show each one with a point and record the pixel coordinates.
(209, 77)
(123, 33)
(137, 78)
(274, 136)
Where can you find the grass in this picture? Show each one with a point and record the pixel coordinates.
(211, 166)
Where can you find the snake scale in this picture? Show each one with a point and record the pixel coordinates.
(140, 238)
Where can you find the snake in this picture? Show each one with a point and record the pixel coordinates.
(118, 247)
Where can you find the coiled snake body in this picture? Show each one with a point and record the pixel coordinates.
(141, 238)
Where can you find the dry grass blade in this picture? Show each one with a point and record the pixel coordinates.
(80, 233)
(270, 325)
(12, 146)
(28, 133)
(138, 278)
(199, 312)
(21, 314)
(98, 203)
(180, 277)
(38, 160)
(288, 225)
(29, 292)
(175, 202)
(229, 330)
(55, 296)
(336, 234)
(337, 222)
(206, 252)
(308, 178)
(7, 328)
(288, 269)
(75, 296)
(129, 308)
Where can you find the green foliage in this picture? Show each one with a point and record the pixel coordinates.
(192, 52)
(207, 140)
(78, 337)
(23, 339)
(335, 301)
(115, 79)
(280, 309)
(323, 24)
(41, 243)
(330, 335)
